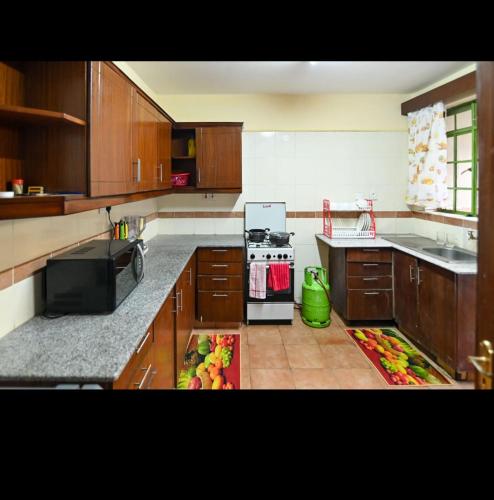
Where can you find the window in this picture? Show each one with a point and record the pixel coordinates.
(462, 179)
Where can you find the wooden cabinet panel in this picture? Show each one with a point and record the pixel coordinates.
(368, 255)
(220, 306)
(219, 283)
(226, 268)
(185, 316)
(164, 347)
(220, 255)
(144, 144)
(111, 132)
(437, 311)
(164, 180)
(219, 157)
(138, 372)
(368, 269)
(405, 296)
(370, 304)
(370, 282)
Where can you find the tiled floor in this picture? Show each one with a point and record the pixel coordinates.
(299, 357)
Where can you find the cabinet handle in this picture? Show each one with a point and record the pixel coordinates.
(219, 265)
(161, 172)
(369, 279)
(219, 279)
(219, 250)
(198, 176)
(220, 295)
(143, 342)
(419, 281)
(177, 303)
(138, 176)
(370, 265)
(141, 383)
(412, 277)
(181, 299)
(190, 276)
(371, 293)
(370, 249)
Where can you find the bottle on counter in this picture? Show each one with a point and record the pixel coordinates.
(18, 186)
(122, 229)
(116, 231)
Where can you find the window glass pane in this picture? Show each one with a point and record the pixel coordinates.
(451, 149)
(449, 203)
(464, 200)
(464, 147)
(450, 123)
(464, 119)
(450, 176)
(464, 175)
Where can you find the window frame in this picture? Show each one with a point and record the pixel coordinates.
(472, 129)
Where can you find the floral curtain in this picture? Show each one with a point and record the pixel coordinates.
(427, 157)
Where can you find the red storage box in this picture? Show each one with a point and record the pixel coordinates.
(180, 179)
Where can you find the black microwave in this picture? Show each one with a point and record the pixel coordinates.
(94, 277)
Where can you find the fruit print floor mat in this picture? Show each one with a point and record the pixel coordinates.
(212, 361)
(398, 362)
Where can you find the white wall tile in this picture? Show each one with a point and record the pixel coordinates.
(28, 299)
(284, 144)
(7, 308)
(264, 144)
(203, 226)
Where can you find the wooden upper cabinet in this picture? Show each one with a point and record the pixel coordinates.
(111, 131)
(164, 153)
(144, 144)
(219, 157)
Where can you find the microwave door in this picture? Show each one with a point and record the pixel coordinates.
(125, 276)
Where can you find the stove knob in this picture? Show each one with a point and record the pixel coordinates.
(279, 256)
(268, 256)
(285, 256)
(252, 256)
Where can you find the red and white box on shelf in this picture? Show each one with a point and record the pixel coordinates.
(180, 179)
(334, 229)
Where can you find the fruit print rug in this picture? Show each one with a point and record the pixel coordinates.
(212, 361)
(396, 359)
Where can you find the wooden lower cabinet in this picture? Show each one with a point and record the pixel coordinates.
(220, 296)
(185, 307)
(164, 347)
(435, 308)
(139, 370)
(361, 283)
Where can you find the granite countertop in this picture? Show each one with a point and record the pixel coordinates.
(96, 348)
(458, 268)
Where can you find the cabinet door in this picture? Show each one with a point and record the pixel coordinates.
(405, 293)
(219, 157)
(144, 144)
(164, 153)
(220, 306)
(185, 291)
(111, 132)
(437, 311)
(164, 347)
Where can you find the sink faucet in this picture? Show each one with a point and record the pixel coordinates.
(472, 235)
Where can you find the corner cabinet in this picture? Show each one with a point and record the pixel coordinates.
(219, 157)
(436, 309)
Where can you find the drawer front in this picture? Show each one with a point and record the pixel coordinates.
(220, 255)
(140, 360)
(224, 268)
(143, 375)
(368, 269)
(220, 306)
(369, 304)
(370, 282)
(219, 283)
(368, 255)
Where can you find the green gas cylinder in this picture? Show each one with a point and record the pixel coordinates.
(316, 307)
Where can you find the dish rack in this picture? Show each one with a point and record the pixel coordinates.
(334, 227)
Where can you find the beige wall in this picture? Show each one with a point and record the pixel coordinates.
(259, 112)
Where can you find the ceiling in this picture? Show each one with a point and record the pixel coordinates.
(292, 77)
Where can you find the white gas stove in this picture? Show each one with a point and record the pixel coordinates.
(278, 306)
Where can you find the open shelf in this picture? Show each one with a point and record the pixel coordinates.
(20, 207)
(34, 116)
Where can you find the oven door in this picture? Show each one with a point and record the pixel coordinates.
(129, 271)
(272, 296)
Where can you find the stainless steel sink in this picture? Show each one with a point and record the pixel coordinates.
(451, 254)
(429, 247)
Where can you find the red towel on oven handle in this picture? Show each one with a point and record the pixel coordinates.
(279, 276)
